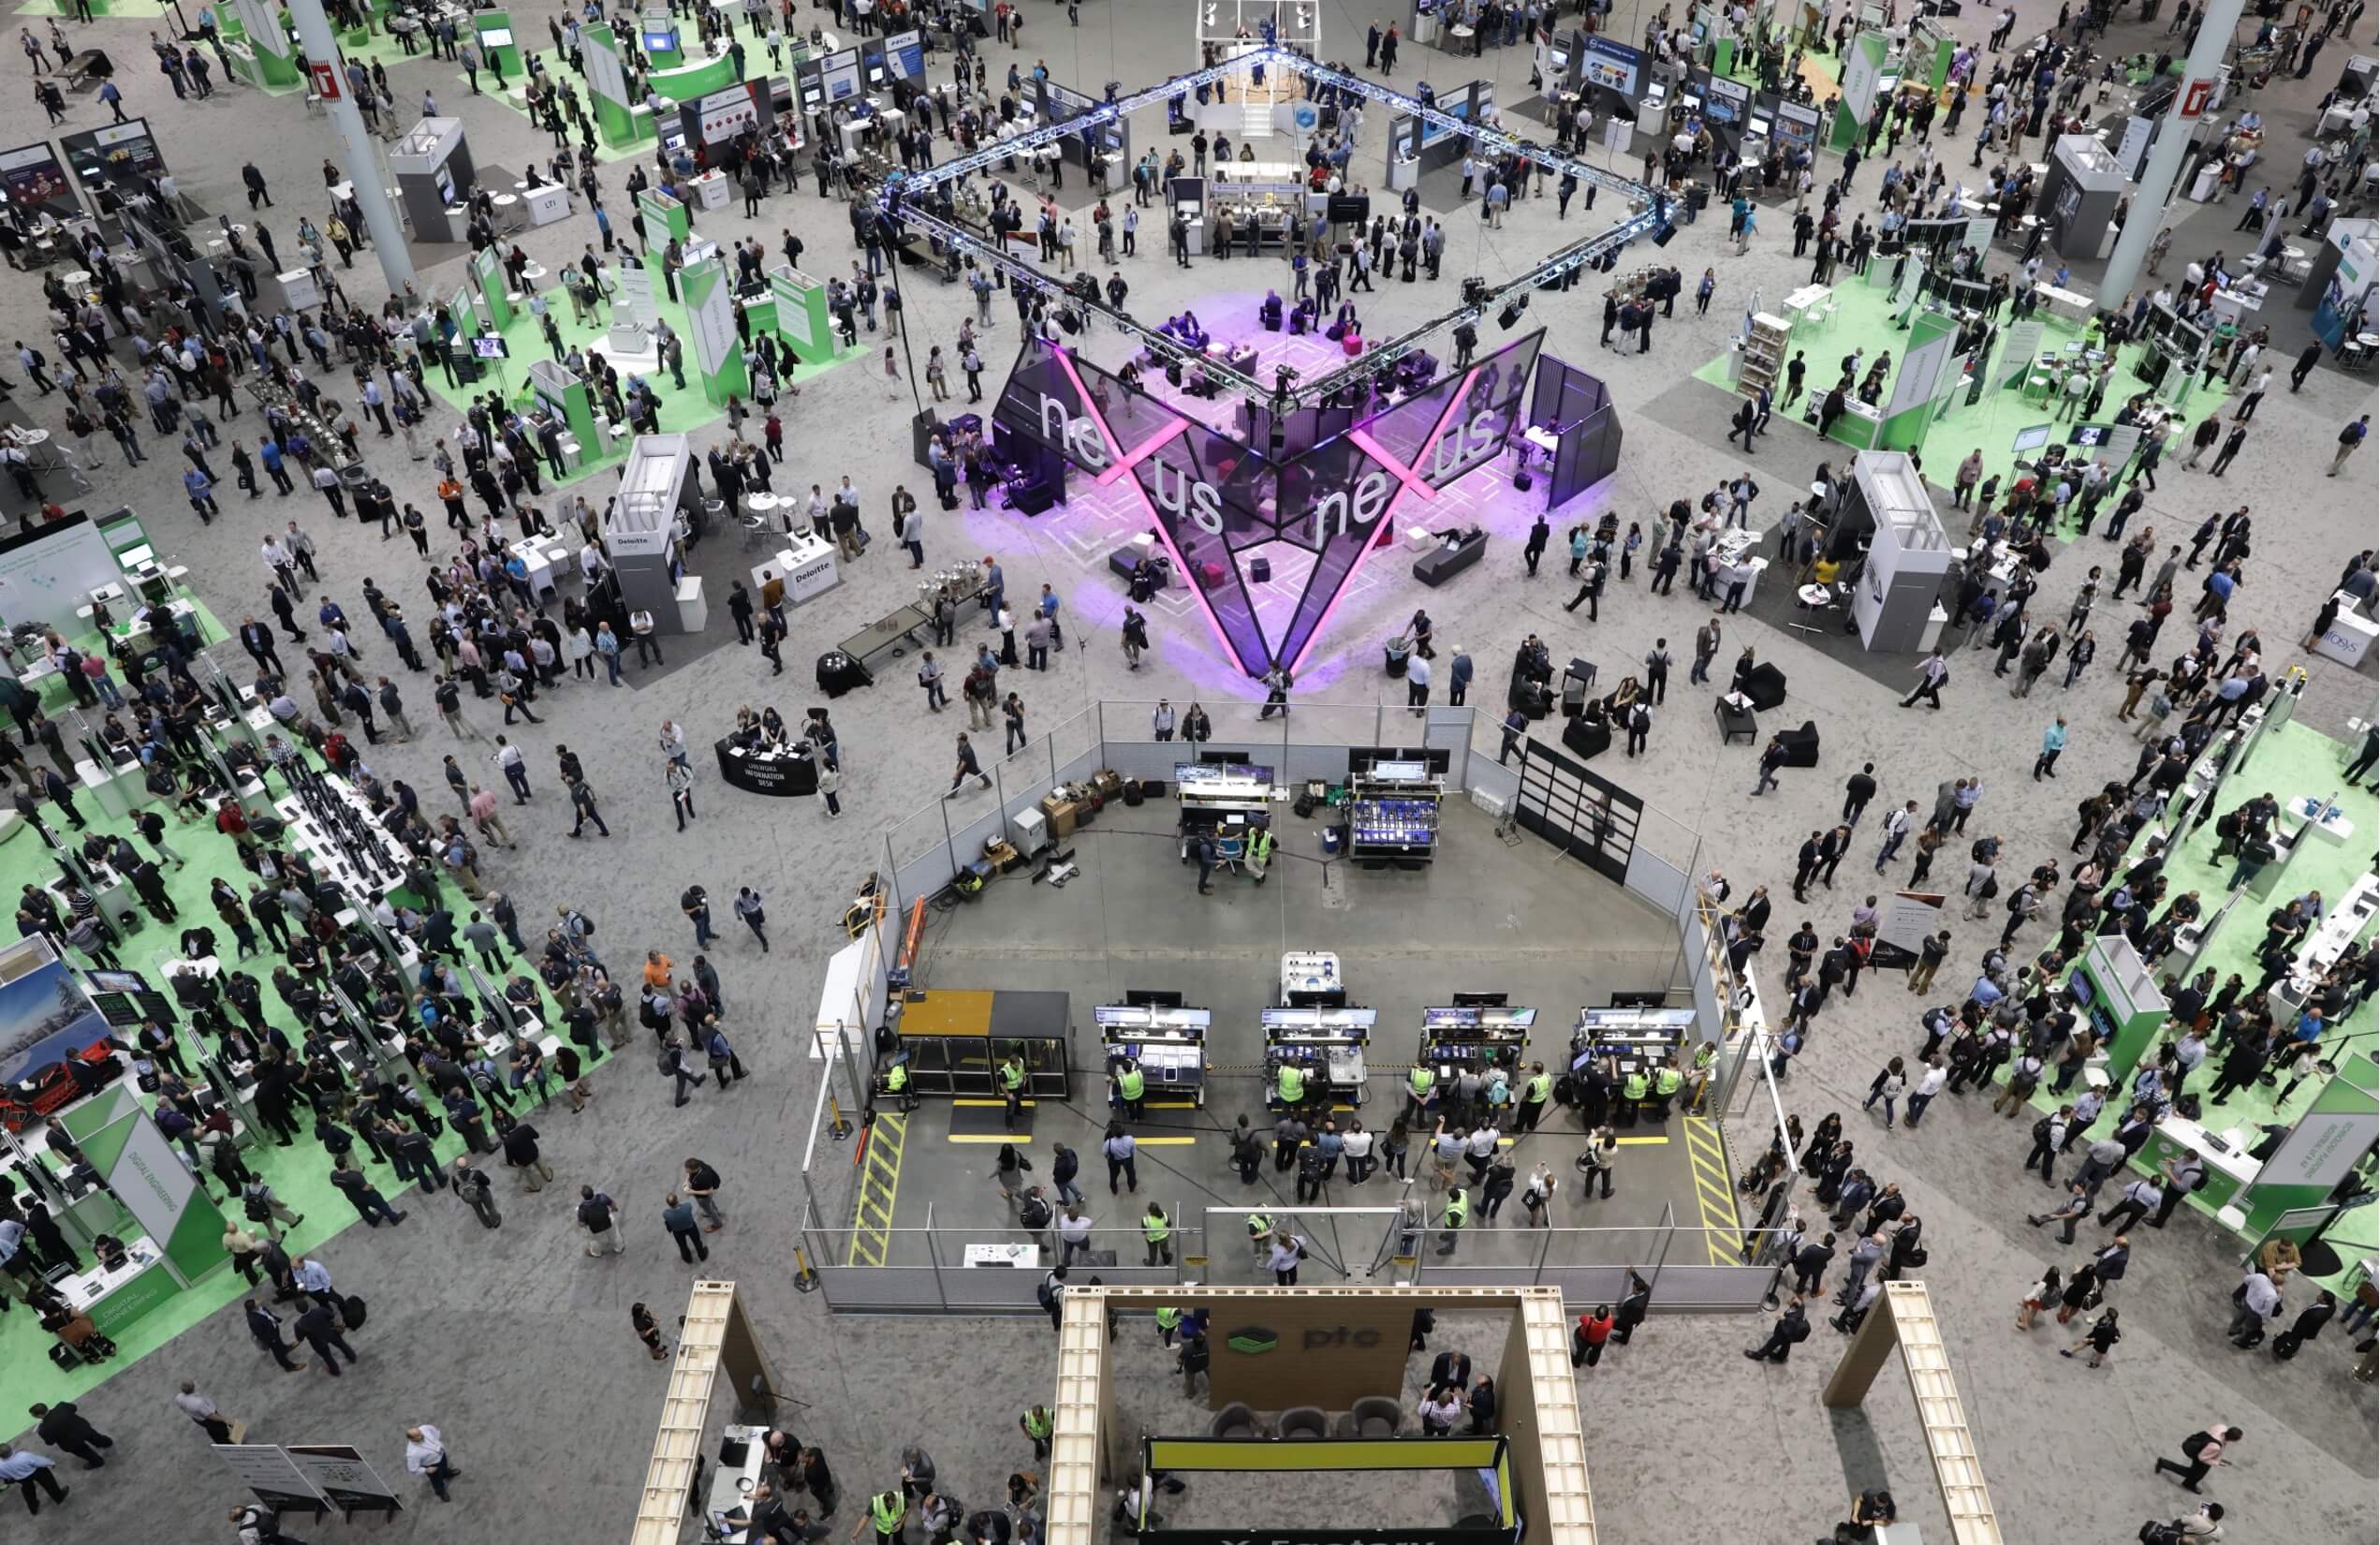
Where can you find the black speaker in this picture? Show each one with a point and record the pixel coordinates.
(1661, 237)
(1522, 481)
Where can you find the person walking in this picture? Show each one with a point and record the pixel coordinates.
(26, 1470)
(320, 1328)
(599, 1215)
(67, 1428)
(702, 1184)
(425, 1455)
(2349, 438)
(2203, 1449)
(677, 1218)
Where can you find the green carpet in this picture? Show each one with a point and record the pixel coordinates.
(55, 693)
(2292, 763)
(98, 8)
(683, 409)
(300, 1175)
(1864, 320)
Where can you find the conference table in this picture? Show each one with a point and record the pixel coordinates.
(781, 771)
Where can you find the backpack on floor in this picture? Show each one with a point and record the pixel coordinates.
(351, 1312)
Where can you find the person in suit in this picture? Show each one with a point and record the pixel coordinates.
(64, 1428)
(1791, 1327)
(320, 1328)
(265, 1326)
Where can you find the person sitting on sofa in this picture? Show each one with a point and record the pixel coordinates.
(1269, 311)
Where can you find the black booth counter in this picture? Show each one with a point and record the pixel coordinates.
(781, 770)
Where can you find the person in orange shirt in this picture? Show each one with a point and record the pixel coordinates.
(450, 492)
(656, 970)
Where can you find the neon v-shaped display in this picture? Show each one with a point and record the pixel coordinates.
(1314, 512)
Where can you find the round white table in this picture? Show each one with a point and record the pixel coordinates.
(1815, 597)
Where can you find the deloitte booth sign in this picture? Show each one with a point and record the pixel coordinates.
(1309, 508)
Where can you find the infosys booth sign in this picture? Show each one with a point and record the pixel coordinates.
(1313, 508)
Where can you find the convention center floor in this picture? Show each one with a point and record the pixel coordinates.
(518, 1345)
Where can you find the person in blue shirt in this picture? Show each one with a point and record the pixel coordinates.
(269, 454)
(202, 494)
(2053, 741)
(1047, 607)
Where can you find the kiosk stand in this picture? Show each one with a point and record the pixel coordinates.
(1392, 813)
(1484, 1034)
(1325, 1046)
(1166, 1040)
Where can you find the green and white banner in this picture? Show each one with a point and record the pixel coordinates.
(146, 1176)
(711, 320)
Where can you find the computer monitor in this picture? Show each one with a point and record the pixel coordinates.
(2034, 438)
(496, 37)
(1235, 818)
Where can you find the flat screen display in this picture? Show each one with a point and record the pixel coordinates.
(2034, 438)
(496, 37)
(661, 42)
(488, 348)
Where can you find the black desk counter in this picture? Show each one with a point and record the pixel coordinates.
(780, 772)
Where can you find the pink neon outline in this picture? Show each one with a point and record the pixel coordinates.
(1158, 522)
(1405, 475)
(1082, 394)
(1140, 453)
(1461, 394)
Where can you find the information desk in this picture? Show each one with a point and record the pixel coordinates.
(954, 1041)
(728, 1506)
(783, 770)
(114, 1300)
(808, 569)
(546, 559)
(2341, 926)
(2350, 635)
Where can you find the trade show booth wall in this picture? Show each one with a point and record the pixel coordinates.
(1577, 409)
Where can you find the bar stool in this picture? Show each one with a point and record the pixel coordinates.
(1827, 316)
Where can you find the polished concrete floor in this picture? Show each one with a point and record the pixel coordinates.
(517, 1345)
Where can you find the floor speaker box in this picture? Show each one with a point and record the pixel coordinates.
(1585, 738)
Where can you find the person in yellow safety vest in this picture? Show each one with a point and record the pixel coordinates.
(896, 1083)
(1131, 1085)
(1534, 1095)
(1420, 1079)
(1665, 1088)
(1289, 1083)
(1259, 1231)
(1168, 1321)
(1159, 1229)
(887, 1512)
(1632, 1094)
(1012, 1089)
(1706, 1056)
(1038, 1424)
(1259, 854)
(1458, 1214)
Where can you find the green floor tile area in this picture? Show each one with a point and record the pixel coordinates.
(54, 693)
(300, 1175)
(1864, 320)
(683, 409)
(2291, 764)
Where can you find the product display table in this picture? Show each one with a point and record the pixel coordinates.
(114, 1300)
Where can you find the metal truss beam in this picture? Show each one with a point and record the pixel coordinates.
(898, 198)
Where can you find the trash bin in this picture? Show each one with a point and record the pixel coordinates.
(1396, 652)
(1330, 837)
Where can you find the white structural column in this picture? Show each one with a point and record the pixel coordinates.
(2156, 189)
(379, 216)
